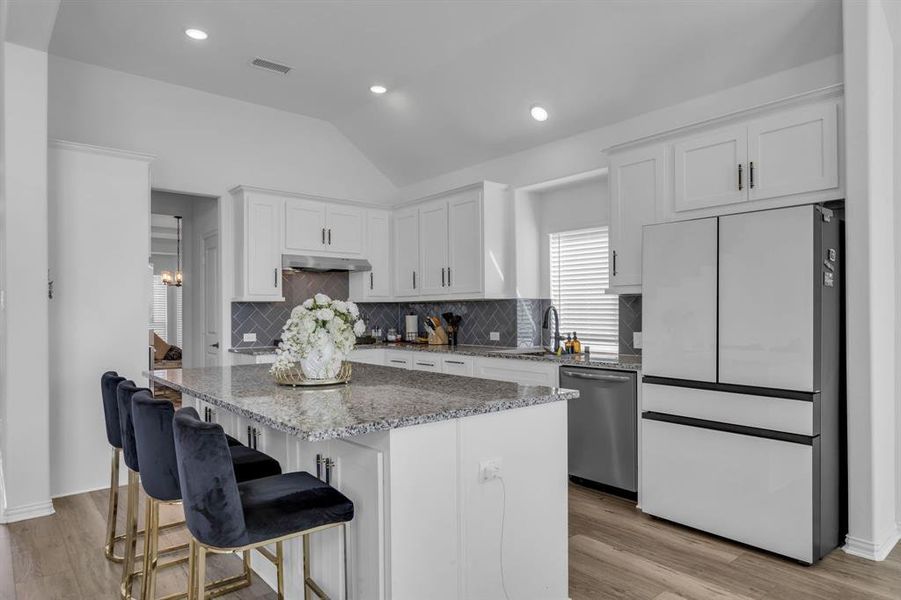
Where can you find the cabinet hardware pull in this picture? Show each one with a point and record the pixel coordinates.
(330, 236)
(323, 235)
(275, 277)
(425, 364)
(399, 362)
(751, 175)
(329, 465)
(448, 277)
(249, 437)
(614, 263)
(256, 438)
(740, 186)
(442, 276)
(414, 280)
(319, 466)
(370, 280)
(455, 362)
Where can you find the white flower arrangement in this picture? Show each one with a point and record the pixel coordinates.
(320, 334)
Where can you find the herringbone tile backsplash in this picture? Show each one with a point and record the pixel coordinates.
(517, 321)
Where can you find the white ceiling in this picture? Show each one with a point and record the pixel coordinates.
(461, 75)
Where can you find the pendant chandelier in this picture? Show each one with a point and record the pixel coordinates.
(168, 277)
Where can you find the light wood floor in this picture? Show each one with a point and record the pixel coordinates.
(615, 553)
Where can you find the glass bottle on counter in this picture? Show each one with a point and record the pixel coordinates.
(568, 344)
(577, 345)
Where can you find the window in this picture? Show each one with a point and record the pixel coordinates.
(159, 320)
(579, 279)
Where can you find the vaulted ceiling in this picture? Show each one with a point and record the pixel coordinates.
(461, 75)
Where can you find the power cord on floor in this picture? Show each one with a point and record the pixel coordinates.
(503, 523)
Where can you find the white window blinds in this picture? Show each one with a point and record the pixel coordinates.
(159, 310)
(579, 281)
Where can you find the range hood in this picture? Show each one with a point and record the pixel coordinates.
(322, 264)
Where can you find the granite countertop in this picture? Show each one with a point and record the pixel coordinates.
(599, 360)
(376, 399)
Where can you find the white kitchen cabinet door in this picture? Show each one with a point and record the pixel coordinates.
(711, 169)
(433, 248)
(399, 359)
(377, 282)
(263, 243)
(465, 254)
(766, 298)
(305, 228)
(679, 302)
(426, 361)
(457, 365)
(523, 372)
(793, 152)
(636, 200)
(406, 252)
(369, 356)
(344, 229)
(754, 490)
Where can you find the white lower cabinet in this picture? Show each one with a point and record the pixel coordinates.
(457, 365)
(253, 359)
(427, 362)
(523, 372)
(756, 490)
(369, 356)
(401, 359)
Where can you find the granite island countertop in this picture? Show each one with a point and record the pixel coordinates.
(376, 399)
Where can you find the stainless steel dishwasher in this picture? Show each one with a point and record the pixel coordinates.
(603, 431)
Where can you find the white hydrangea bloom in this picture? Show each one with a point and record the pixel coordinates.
(321, 299)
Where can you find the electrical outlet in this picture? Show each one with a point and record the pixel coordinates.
(250, 337)
(490, 469)
(636, 340)
(495, 336)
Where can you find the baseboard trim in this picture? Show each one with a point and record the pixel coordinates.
(28, 511)
(870, 550)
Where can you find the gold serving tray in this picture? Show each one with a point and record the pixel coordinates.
(295, 377)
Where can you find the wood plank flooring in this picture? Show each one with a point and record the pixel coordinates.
(615, 552)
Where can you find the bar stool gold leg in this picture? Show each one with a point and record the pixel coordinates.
(131, 534)
(192, 569)
(151, 549)
(200, 573)
(280, 569)
(307, 592)
(113, 510)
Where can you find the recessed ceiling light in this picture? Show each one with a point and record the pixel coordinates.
(196, 34)
(539, 113)
(378, 89)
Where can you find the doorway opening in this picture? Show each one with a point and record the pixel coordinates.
(184, 248)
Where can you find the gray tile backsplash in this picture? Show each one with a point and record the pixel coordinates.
(517, 321)
(629, 322)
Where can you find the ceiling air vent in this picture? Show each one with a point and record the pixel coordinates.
(268, 65)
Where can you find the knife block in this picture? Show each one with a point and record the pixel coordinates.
(438, 337)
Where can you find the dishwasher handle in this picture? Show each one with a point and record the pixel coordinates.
(608, 378)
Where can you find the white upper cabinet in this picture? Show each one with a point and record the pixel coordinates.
(710, 169)
(374, 284)
(459, 245)
(433, 248)
(315, 226)
(304, 225)
(793, 152)
(636, 194)
(406, 252)
(465, 255)
(344, 229)
(258, 258)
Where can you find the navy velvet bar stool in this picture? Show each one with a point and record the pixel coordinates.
(155, 444)
(109, 381)
(226, 516)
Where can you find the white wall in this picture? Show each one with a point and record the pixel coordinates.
(23, 250)
(870, 267)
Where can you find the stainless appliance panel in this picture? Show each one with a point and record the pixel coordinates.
(603, 444)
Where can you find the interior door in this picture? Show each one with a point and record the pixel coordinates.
(679, 300)
(378, 243)
(766, 299)
(711, 169)
(264, 246)
(793, 152)
(305, 227)
(406, 252)
(211, 293)
(433, 247)
(636, 193)
(344, 229)
(464, 265)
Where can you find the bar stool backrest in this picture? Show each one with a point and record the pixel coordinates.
(209, 490)
(155, 446)
(124, 393)
(109, 381)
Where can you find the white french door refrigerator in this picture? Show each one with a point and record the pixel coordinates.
(743, 386)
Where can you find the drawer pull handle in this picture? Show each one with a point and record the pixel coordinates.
(455, 362)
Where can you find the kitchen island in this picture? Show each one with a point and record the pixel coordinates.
(416, 452)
